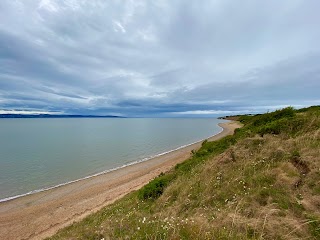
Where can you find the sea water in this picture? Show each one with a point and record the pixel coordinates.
(37, 154)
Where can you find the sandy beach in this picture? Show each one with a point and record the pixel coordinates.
(40, 215)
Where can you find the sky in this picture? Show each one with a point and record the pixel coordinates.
(166, 58)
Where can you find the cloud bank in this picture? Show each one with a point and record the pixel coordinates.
(158, 58)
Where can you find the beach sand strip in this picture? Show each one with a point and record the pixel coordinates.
(42, 214)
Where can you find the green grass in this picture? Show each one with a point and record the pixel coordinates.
(252, 185)
(155, 188)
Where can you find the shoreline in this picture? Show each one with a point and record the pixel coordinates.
(6, 199)
(41, 214)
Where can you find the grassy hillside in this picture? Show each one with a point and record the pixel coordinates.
(261, 183)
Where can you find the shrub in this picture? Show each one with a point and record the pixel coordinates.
(208, 149)
(155, 188)
(309, 109)
(271, 128)
(290, 126)
(245, 118)
(263, 119)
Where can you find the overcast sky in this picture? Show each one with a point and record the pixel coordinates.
(158, 58)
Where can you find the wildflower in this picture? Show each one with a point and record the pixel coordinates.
(138, 228)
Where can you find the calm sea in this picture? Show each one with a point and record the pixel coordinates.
(42, 153)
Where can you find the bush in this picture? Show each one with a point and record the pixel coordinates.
(155, 188)
(260, 120)
(309, 109)
(290, 126)
(245, 118)
(208, 149)
(272, 128)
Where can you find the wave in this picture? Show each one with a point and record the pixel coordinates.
(105, 171)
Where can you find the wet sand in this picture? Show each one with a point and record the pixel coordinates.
(42, 214)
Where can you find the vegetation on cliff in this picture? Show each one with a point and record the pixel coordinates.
(261, 183)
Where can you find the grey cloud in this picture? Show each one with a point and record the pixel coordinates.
(141, 58)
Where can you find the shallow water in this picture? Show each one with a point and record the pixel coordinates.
(42, 153)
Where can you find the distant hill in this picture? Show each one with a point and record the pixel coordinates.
(54, 116)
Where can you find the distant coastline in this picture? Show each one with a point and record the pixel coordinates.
(55, 116)
(235, 117)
